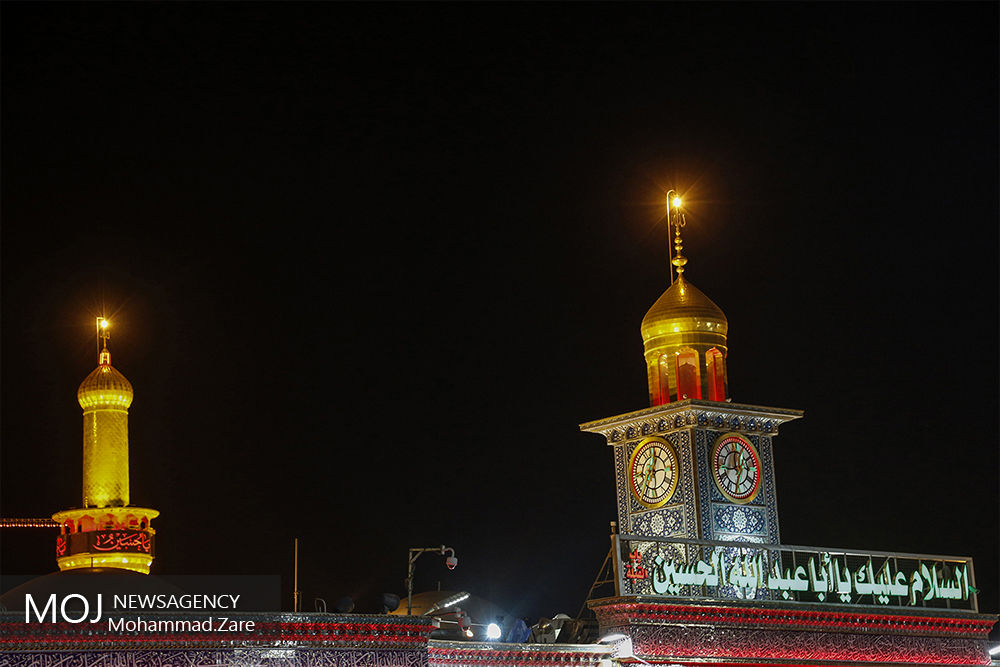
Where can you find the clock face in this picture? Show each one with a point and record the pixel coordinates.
(652, 472)
(736, 468)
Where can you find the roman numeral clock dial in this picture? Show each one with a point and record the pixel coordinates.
(736, 468)
(653, 472)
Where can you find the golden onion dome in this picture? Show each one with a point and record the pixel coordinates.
(105, 386)
(683, 309)
(684, 342)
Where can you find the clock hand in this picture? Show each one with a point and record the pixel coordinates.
(651, 469)
(644, 472)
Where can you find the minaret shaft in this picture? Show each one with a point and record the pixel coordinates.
(105, 457)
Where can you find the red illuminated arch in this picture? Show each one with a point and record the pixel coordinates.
(663, 371)
(688, 374)
(715, 365)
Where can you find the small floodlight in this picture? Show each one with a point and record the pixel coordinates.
(995, 650)
(493, 631)
(677, 202)
(449, 601)
(104, 323)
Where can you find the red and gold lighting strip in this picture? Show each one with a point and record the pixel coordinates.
(512, 656)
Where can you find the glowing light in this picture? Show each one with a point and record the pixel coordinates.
(28, 523)
(104, 323)
(493, 631)
(677, 202)
(468, 632)
(119, 514)
(135, 562)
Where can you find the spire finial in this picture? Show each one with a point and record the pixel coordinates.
(680, 260)
(675, 217)
(103, 335)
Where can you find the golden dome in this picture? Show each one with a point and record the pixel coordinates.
(105, 386)
(683, 309)
(684, 339)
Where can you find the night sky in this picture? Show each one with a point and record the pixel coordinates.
(370, 266)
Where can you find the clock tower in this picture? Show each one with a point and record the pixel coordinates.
(694, 464)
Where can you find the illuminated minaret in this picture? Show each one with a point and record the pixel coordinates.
(106, 531)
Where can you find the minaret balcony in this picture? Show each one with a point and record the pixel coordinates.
(116, 537)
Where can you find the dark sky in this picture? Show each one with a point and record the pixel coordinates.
(370, 266)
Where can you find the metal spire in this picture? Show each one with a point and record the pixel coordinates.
(678, 220)
(103, 335)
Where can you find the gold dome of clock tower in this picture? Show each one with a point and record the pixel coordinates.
(684, 336)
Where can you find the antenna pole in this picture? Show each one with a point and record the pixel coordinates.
(296, 596)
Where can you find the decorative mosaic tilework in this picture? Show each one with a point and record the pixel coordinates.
(621, 461)
(736, 537)
(695, 642)
(764, 447)
(663, 522)
(682, 442)
(704, 481)
(739, 519)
